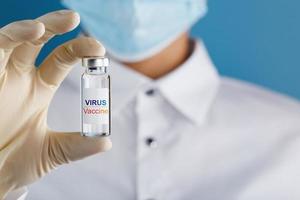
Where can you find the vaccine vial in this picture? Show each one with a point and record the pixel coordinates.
(95, 97)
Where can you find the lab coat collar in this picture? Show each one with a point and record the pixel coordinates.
(190, 88)
(125, 84)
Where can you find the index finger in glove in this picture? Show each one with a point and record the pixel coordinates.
(56, 23)
(14, 34)
(58, 64)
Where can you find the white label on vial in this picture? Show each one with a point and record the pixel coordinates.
(95, 106)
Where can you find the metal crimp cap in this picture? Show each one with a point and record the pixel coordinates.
(95, 62)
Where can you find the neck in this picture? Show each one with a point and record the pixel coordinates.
(165, 61)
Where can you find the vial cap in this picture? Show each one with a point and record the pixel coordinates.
(95, 62)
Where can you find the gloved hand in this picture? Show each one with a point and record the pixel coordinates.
(28, 148)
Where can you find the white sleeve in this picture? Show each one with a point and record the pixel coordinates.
(19, 194)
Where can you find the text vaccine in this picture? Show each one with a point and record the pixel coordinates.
(95, 97)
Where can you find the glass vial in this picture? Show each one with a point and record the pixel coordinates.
(95, 97)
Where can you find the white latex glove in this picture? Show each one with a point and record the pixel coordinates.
(28, 148)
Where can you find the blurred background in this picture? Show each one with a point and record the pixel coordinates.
(256, 41)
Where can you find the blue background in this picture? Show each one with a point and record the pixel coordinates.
(255, 40)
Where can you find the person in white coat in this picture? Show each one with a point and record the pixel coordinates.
(179, 129)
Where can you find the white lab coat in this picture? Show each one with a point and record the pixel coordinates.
(189, 135)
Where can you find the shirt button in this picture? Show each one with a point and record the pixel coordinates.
(150, 92)
(151, 142)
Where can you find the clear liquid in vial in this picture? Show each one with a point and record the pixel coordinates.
(95, 102)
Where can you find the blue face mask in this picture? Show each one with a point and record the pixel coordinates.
(133, 30)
